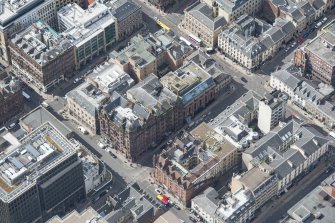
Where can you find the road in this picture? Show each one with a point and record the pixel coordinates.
(275, 210)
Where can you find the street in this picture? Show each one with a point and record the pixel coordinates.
(124, 172)
(275, 210)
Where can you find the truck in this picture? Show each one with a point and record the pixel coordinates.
(26, 96)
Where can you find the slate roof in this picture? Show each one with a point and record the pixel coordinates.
(125, 9)
(204, 14)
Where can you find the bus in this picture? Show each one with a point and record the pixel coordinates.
(162, 25)
(188, 43)
(26, 96)
(196, 41)
(162, 198)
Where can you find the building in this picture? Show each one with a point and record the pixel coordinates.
(201, 21)
(132, 205)
(60, 3)
(317, 206)
(287, 151)
(141, 119)
(168, 49)
(299, 13)
(234, 123)
(272, 110)
(38, 116)
(146, 53)
(191, 163)
(168, 216)
(250, 41)
(42, 56)
(109, 77)
(162, 4)
(92, 31)
(136, 59)
(128, 18)
(18, 15)
(221, 78)
(11, 99)
(315, 98)
(89, 215)
(193, 85)
(316, 58)
(41, 178)
(96, 176)
(233, 9)
(8, 141)
(249, 192)
(83, 104)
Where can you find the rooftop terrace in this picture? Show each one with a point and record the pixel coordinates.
(188, 81)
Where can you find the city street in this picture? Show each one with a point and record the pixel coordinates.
(275, 210)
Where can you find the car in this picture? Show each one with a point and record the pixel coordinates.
(177, 207)
(158, 191)
(155, 18)
(324, 19)
(192, 219)
(112, 154)
(244, 80)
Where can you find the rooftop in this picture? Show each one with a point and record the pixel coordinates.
(89, 215)
(168, 216)
(137, 51)
(123, 8)
(188, 82)
(132, 200)
(208, 201)
(8, 85)
(78, 24)
(40, 115)
(41, 150)
(110, 77)
(41, 43)
(87, 97)
(323, 46)
(270, 152)
(152, 95)
(13, 9)
(318, 205)
(232, 204)
(204, 14)
(8, 141)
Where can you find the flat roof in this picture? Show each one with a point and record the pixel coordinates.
(80, 24)
(214, 141)
(319, 48)
(38, 117)
(41, 150)
(188, 82)
(110, 77)
(15, 9)
(89, 215)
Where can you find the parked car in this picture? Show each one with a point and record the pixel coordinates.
(244, 80)
(158, 191)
